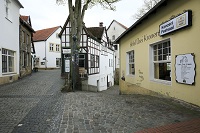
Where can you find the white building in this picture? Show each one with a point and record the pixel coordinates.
(47, 47)
(95, 56)
(9, 40)
(114, 30)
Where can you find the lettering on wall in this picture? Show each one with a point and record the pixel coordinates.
(140, 78)
(185, 69)
(144, 38)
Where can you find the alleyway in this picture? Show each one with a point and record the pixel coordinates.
(36, 105)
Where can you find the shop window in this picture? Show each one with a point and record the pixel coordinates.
(131, 63)
(162, 60)
(7, 61)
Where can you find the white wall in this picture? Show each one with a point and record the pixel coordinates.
(117, 30)
(51, 56)
(42, 50)
(9, 35)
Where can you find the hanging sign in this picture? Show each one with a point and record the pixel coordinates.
(67, 65)
(185, 69)
(179, 22)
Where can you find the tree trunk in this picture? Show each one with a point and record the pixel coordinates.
(75, 35)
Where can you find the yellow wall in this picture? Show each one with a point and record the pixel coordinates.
(182, 42)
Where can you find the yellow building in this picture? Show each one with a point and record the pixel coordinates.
(160, 53)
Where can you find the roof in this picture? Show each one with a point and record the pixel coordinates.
(123, 26)
(96, 31)
(19, 3)
(138, 22)
(44, 34)
(25, 18)
(26, 21)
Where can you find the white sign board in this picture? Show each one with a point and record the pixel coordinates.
(67, 65)
(66, 51)
(185, 69)
(176, 23)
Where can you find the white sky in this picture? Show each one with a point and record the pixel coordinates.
(47, 14)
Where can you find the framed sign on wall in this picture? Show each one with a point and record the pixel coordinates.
(185, 69)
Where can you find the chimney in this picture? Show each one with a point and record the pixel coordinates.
(101, 24)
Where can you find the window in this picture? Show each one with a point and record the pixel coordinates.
(162, 61)
(7, 61)
(97, 61)
(81, 60)
(51, 47)
(57, 47)
(115, 46)
(7, 3)
(27, 59)
(23, 36)
(113, 37)
(23, 59)
(131, 63)
(27, 42)
(92, 60)
(58, 62)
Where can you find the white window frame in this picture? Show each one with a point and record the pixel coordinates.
(57, 47)
(130, 62)
(51, 45)
(8, 55)
(152, 62)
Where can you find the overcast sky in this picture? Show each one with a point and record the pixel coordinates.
(47, 14)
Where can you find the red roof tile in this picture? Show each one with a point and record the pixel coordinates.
(25, 18)
(123, 26)
(43, 35)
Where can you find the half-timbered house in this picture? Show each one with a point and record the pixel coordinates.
(96, 56)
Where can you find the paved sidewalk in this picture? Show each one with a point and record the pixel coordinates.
(109, 112)
(192, 126)
(35, 104)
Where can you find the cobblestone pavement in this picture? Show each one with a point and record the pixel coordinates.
(36, 105)
(33, 104)
(109, 112)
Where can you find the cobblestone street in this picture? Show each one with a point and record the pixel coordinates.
(35, 104)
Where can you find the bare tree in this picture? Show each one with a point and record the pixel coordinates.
(77, 9)
(148, 5)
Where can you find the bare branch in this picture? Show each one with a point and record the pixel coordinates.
(148, 5)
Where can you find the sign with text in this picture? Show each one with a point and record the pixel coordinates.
(179, 22)
(67, 65)
(185, 69)
(66, 51)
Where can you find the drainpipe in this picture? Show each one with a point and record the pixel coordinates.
(19, 49)
(45, 56)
